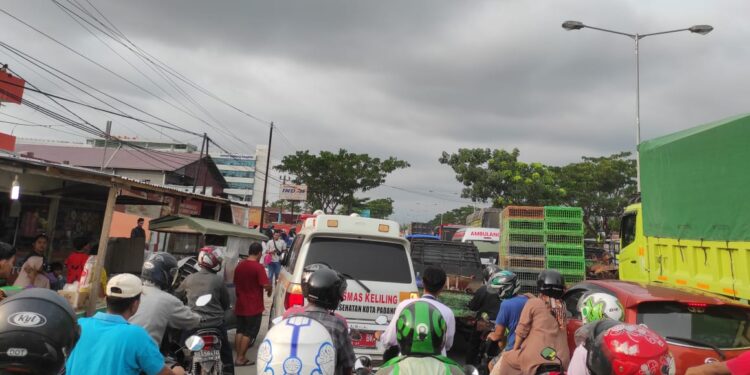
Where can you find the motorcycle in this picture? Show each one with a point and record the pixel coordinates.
(363, 366)
(550, 354)
(204, 347)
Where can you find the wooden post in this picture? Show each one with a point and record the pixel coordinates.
(102, 255)
(54, 206)
(217, 212)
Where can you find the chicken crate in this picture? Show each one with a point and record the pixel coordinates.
(563, 227)
(525, 262)
(524, 237)
(563, 239)
(564, 250)
(563, 213)
(567, 265)
(523, 226)
(524, 249)
(523, 212)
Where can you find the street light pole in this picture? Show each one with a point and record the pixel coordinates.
(697, 29)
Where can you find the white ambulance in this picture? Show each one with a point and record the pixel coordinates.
(373, 257)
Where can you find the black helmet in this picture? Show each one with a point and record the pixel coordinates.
(38, 330)
(325, 288)
(421, 329)
(488, 271)
(160, 269)
(551, 283)
(311, 268)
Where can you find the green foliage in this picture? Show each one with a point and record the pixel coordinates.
(380, 208)
(601, 186)
(454, 216)
(498, 176)
(332, 179)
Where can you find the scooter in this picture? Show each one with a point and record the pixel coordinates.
(205, 347)
(363, 366)
(550, 354)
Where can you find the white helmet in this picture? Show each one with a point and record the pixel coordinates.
(597, 306)
(297, 345)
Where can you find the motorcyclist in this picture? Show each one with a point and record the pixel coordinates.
(301, 342)
(39, 348)
(486, 303)
(324, 290)
(207, 281)
(543, 323)
(421, 337)
(159, 309)
(510, 310)
(627, 349)
(593, 307)
(306, 272)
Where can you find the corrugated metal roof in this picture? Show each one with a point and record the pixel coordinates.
(116, 158)
(12, 157)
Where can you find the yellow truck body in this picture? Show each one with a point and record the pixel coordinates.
(721, 267)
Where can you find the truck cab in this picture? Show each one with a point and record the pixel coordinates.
(633, 258)
(372, 256)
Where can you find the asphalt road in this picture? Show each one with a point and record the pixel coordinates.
(251, 354)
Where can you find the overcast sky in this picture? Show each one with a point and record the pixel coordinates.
(408, 79)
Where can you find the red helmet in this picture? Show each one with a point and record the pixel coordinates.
(210, 259)
(625, 349)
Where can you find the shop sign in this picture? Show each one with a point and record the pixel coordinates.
(291, 192)
(190, 208)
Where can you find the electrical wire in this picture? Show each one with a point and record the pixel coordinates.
(106, 69)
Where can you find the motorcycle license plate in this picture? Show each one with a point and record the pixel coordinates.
(207, 355)
(366, 340)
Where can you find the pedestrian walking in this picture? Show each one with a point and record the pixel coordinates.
(275, 247)
(250, 281)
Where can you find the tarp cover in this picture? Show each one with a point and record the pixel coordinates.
(695, 184)
(187, 224)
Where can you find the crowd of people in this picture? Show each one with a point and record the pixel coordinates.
(131, 336)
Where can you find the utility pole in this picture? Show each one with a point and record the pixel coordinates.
(203, 191)
(265, 180)
(198, 168)
(106, 140)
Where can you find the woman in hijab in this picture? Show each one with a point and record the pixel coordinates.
(542, 324)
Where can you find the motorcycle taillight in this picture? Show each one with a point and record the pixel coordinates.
(210, 341)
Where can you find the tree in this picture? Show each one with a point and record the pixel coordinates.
(601, 186)
(498, 176)
(334, 178)
(380, 208)
(454, 216)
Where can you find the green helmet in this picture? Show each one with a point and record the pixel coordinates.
(420, 329)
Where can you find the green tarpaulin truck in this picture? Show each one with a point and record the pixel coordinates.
(692, 227)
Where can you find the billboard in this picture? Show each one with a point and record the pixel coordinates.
(291, 192)
(11, 88)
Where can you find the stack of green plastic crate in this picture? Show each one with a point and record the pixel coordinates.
(563, 241)
(522, 244)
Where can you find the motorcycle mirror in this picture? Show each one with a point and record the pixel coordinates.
(549, 354)
(194, 343)
(203, 300)
(382, 320)
(470, 370)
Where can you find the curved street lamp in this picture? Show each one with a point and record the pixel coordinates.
(696, 29)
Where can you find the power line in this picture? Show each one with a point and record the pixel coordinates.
(424, 194)
(171, 70)
(152, 65)
(105, 68)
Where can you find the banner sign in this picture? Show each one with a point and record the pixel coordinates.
(291, 192)
(11, 88)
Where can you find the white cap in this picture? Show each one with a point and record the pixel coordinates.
(124, 285)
